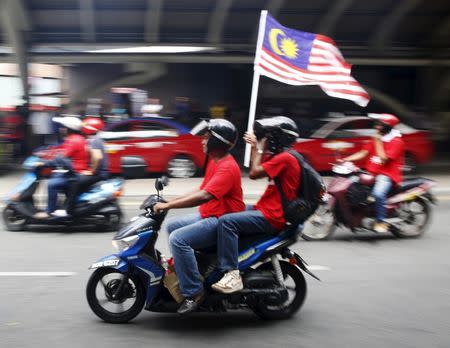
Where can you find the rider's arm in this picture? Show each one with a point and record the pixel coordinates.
(96, 158)
(256, 169)
(379, 149)
(187, 201)
(356, 156)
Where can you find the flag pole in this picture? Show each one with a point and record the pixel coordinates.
(255, 84)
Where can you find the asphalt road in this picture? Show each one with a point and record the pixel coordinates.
(376, 292)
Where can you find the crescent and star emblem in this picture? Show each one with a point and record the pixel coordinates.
(287, 46)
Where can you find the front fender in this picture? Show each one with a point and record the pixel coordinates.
(111, 261)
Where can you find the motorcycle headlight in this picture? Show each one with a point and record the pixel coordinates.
(125, 243)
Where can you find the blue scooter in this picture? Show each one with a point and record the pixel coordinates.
(98, 206)
(123, 283)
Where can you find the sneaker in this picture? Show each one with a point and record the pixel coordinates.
(60, 213)
(381, 227)
(41, 215)
(370, 199)
(230, 282)
(191, 304)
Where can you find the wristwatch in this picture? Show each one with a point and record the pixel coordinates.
(259, 151)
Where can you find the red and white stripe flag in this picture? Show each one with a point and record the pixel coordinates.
(299, 58)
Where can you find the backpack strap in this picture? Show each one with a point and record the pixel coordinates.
(284, 201)
(301, 161)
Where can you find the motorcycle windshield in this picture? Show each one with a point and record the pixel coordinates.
(141, 224)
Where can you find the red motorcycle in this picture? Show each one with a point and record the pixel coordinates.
(348, 202)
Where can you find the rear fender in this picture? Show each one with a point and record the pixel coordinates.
(296, 259)
(111, 261)
(411, 194)
(109, 209)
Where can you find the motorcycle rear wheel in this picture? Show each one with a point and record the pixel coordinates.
(297, 294)
(415, 216)
(112, 222)
(97, 285)
(320, 225)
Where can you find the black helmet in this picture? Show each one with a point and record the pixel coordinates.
(281, 132)
(223, 134)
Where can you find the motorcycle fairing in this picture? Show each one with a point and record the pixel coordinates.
(111, 261)
(28, 179)
(147, 268)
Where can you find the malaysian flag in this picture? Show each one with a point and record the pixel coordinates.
(299, 58)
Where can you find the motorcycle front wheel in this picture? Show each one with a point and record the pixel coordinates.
(110, 303)
(13, 220)
(320, 225)
(295, 283)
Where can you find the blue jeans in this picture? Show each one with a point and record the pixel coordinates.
(383, 185)
(57, 183)
(186, 234)
(233, 226)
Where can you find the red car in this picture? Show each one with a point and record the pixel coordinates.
(340, 137)
(153, 145)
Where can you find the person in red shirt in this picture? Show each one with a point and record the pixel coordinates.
(220, 193)
(267, 215)
(385, 159)
(75, 149)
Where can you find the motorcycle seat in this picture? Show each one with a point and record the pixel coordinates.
(253, 240)
(408, 184)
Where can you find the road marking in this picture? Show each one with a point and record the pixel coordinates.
(37, 274)
(318, 268)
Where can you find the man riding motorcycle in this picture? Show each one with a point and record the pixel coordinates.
(267, 216)
(385, 155)
(220, 193)
(74, 148)
(98, 160)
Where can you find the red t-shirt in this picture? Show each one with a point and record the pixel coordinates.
(75, 147)
(286, 168)
(223, 181)
(394, 150)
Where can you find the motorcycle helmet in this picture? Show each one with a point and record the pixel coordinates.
(70, 122)
(388, 121)
(281, 132)
(92, 125)
(222, 134)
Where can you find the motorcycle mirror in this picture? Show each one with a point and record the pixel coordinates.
(161, 182)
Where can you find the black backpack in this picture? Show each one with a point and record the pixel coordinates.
(309, 194)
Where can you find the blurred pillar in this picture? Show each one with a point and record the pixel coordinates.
(330, 19)
(217, 21)
(87, 20)
(152, 20)
(387, 28)
(16, 24)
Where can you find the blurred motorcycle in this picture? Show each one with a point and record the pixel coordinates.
(137, 275)
(348, 203)
(98, 205)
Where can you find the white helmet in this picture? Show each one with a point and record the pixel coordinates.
(70, 122)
